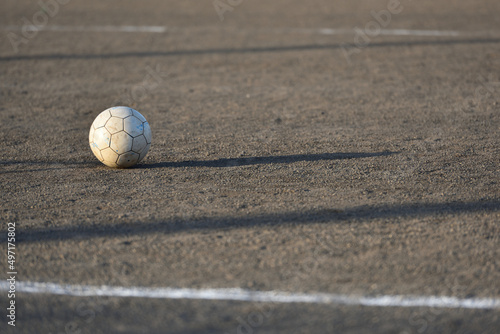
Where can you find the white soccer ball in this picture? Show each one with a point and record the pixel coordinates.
(120, 137)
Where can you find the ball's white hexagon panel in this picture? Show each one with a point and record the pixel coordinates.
(144, 152)
(109, 157)
(139, 144)
(147, 132)
(102, 138)
(101, 119)
(96, 151)
(91, 134)
(138, 115)
(127, 159)
(121, 142)
(114, 124)
(121, 112)
(133, 126)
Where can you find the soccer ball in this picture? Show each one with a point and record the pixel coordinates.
(120, 137)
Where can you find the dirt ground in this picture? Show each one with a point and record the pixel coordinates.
(283, 158)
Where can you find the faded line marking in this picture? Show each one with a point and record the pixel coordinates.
(253, 296)
(395, 32)
(150, 29)
(320, 31)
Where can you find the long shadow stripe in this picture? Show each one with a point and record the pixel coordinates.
(286, 48)
(360, 213)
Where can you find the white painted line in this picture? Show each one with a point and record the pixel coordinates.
(393, 32)
(253, 296)
(320, 31)
(150, 29)
(407, 32)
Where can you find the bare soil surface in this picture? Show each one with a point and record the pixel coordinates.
(276, 164)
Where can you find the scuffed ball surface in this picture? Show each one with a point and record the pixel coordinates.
(120, 137)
